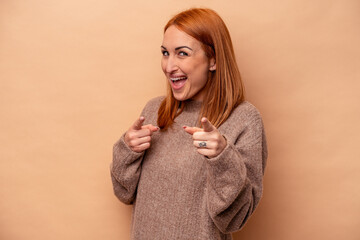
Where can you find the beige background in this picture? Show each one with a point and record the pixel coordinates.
(74, 74)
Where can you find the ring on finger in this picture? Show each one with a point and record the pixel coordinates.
(202, 144)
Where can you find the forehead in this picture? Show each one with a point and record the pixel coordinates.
(173, 37)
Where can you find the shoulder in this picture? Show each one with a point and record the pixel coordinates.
(245, 119)
(154, 103)
(246, 113)
(151, 109)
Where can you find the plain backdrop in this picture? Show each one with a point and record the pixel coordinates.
(74, 74)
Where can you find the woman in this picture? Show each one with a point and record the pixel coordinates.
(193, 163)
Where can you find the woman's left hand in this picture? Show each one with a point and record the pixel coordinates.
(208, 140)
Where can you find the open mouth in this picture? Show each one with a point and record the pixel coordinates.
(178, 82)
(176, 79)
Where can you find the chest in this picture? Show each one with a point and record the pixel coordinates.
(172, 155)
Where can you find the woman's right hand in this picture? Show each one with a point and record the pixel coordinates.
(138, 137)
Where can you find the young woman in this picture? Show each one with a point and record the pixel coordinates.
(193, 163)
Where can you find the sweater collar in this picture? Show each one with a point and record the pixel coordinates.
(192, 105)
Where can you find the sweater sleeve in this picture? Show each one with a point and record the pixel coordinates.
(125, 171)
(126, 164)
(234, 177)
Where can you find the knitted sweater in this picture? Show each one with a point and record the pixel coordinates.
(178, 193)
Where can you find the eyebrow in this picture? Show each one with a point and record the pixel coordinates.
(178, 48)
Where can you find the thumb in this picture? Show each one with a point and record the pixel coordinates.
(207, 126)
(138, 123)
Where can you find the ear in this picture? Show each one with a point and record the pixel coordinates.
(212, 65)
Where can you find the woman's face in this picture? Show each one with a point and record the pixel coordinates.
(185, 64)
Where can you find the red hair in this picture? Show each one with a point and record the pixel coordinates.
(224, 90)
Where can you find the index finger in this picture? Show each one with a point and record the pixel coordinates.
(192, 130)
(150, 127)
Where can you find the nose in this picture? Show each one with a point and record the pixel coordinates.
(169, 64)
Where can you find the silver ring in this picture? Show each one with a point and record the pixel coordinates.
(202, 144)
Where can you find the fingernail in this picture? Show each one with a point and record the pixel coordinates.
(184, 127)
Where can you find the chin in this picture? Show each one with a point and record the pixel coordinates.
(180, 97)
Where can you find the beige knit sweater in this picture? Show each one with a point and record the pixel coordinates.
(178, 193)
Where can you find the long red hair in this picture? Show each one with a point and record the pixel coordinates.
(224, 89)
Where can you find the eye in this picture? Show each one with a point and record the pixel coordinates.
(182, 53)
(165, 53)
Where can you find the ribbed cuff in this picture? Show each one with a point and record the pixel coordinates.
(123, 155)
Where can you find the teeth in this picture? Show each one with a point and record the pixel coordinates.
(177, 79)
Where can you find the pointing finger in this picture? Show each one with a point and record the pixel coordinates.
(208, 127)
(192, 130)
(138, 123)
(151, 127)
